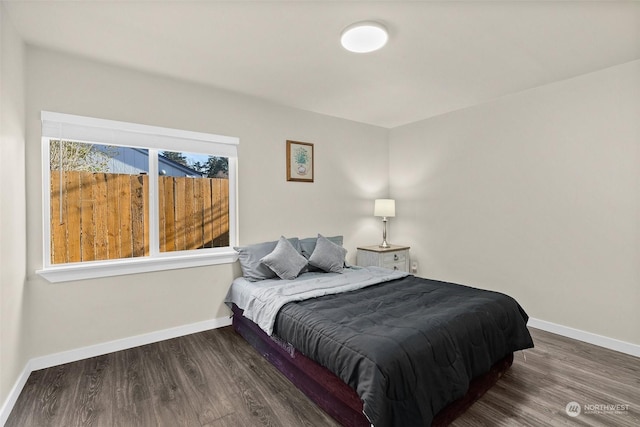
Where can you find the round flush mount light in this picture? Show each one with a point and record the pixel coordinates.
(363, 37)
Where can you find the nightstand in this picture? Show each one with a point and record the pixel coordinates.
(394, 257)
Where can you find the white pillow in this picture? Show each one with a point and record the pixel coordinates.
(285, 260)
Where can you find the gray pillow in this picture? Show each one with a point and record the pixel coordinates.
(328, 256)
(308, 244)
(250, 256)
(285, 260)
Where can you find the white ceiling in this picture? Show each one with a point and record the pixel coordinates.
(441, 56)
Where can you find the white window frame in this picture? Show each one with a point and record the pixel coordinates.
(155, 139)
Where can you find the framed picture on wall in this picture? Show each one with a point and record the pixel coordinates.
(299, 161)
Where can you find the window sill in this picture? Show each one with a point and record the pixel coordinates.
(120, 267)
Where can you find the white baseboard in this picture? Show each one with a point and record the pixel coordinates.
(125, 343)
(55, 359)
(13, 394)
(588, 337)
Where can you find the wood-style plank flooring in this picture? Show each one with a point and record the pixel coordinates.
(216, 379)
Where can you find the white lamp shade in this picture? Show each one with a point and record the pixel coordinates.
(384, 207)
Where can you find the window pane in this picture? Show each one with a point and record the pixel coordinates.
(99, 207)
(193, 192)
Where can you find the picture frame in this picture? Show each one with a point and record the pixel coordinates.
(300, 162)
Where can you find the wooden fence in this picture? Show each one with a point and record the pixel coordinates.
(106, 216)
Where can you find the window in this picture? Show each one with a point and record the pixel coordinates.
(123, 198)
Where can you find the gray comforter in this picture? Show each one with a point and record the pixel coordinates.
(409, 346)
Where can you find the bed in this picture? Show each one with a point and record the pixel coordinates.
(373, 346)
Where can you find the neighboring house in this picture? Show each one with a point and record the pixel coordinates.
(134, 161)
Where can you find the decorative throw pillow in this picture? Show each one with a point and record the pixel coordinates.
(250, 256)
(308, 244)
(328, 256)
(285, 260)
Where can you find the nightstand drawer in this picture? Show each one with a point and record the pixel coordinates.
(390, 258)
(402, 266)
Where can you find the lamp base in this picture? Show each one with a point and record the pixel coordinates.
(384, 243)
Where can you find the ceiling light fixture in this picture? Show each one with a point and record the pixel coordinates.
(363, 37)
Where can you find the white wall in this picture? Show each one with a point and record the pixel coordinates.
(12, 203)
(350, 171)
(536, 195)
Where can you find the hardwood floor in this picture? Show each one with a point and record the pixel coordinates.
(215, 379)
(559, 370)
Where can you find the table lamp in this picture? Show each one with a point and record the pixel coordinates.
(385, 208)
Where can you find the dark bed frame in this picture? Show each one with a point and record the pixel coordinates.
(334, 396)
